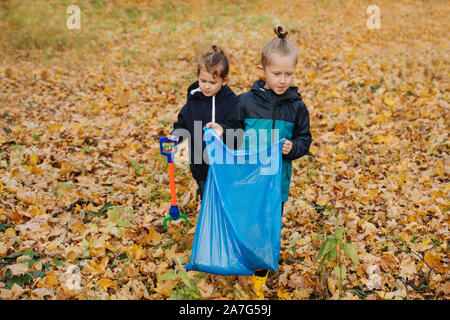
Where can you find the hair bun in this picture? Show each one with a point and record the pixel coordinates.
(215, 62)
(216, 49)
(280, 31)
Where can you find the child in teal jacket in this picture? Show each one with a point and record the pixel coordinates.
(274, 110)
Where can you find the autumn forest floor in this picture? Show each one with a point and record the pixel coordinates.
(84, 190)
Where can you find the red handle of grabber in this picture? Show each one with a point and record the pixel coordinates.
(173, 195)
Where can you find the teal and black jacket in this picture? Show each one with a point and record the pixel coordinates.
(263, 111)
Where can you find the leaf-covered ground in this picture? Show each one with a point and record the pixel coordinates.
(84, 190)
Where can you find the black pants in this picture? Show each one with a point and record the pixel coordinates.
(201, 187)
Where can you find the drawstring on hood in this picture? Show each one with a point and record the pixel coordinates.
(213, 118)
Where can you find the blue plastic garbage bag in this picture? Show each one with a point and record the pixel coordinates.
(239, 225)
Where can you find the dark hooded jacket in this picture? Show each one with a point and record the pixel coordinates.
(195, 114)
(262, 110)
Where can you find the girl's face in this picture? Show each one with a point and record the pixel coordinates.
(280, 73)
(209, 84)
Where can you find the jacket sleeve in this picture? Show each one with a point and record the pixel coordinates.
(236, 120)
(301, 135)
(181, 123)
(232, 125)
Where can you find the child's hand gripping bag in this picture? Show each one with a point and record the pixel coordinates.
(239, 225)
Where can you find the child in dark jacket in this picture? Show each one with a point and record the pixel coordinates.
(209, 99)
(275, 110)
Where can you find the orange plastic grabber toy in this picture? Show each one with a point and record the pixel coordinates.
(174, 212)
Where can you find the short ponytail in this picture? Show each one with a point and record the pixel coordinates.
(280, 31)
(280, 45)
(215, 62)
(216, 49)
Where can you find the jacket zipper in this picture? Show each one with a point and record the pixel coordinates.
(274, 117)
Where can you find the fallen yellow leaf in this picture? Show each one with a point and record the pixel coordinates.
(106, 283)
(283, 294)
(50, 279)
(389, 101)
(433, 259)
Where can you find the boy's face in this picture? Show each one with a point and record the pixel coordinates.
(280, 73)
(209, 84)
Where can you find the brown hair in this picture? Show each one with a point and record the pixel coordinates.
(279, 45)
(215, 62)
